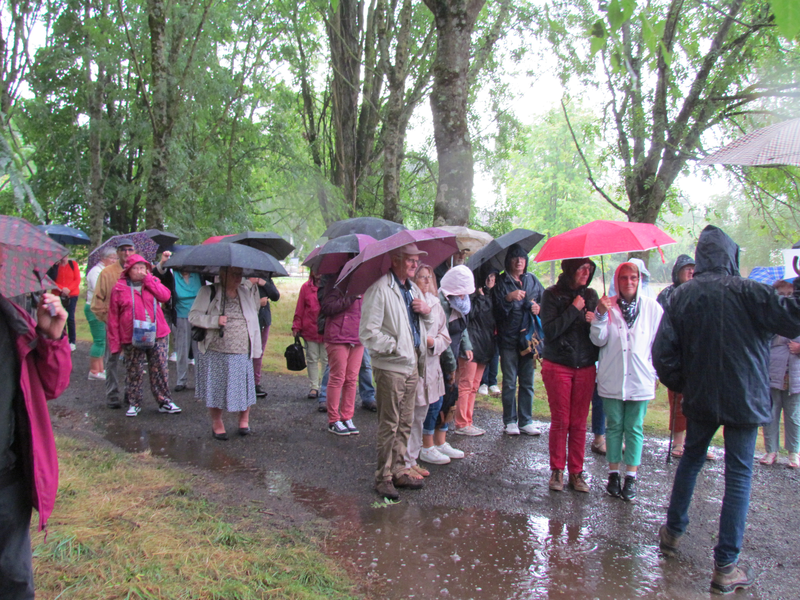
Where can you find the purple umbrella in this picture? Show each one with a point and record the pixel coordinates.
(333, 255)
(375, 260)
(147, 244)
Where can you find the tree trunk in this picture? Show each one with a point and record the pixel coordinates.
(158, 185)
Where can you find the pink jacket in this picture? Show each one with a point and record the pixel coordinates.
(121, 309)
(45, 367)
(306, 313)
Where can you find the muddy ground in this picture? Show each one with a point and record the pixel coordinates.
(483, 527)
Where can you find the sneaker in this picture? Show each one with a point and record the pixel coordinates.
(406, 481)
(351, 427)
(727, 580)
(469, 430)
(449, 451)
(511, 429)
(72, 347)
(191, 361)
(556, 480)
(794, 460)
(629, 489)
(433, 456)
(173, 357)
(494, 391)
(483, 390)
(169, 407)
(613, 487)
(578, 483)
(133, 410)
(530, 429)
(97, 376)
(667, 541)
(338, 428)
(768, 458)
(387, 490)
(260, 392)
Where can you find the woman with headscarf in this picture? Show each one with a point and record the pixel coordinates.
(568, 367)
(624, 329)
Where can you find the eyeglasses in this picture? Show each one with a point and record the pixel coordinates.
(585, 267)
(126, 249)
(412, 261)
(424, 276)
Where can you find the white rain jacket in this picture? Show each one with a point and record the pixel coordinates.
(625, 370)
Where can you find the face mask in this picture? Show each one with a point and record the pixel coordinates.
(461, 304)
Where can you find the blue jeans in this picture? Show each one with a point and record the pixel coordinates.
(429, 424)
(323, 386)
(740, 445)
(366, 389)
(598, 414)
(517, 367)
(490, 372)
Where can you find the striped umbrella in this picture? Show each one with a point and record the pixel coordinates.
(26, 255)
(773, 146)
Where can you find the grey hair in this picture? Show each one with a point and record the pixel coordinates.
(108, 252)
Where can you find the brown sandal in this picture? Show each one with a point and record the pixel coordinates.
(313, 394)
(677, 451)
(420, 470)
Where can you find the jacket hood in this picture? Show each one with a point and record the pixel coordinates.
(571, 265)
(644, 274)
(630, 263)
(515, 251)
(482, 275)
(132, 260)
(680, 262)
(716, 253)
(458, 281)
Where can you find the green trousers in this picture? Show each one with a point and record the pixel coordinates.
(625, 419)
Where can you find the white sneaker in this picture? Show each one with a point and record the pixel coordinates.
(72, 347)
(448, 450)
(511, 429)
(530, 429)
(191, 361)
(101, 376)
(433, 456)
(794, 460)
(469, 430)
(173, 357)
(494, 391)
(169, 407)
(132, 411)
(483, 390)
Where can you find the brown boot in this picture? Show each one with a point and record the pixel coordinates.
(557, 480)
(578, 483)
(387, 490)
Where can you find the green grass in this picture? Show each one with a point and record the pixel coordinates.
(131, 526)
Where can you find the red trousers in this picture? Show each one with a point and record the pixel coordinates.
(677, 422)
(569, 393)
(469, 380)
(344, 361)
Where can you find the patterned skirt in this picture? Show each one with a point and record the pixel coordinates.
(225, 381)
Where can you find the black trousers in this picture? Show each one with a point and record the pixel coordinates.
(16, 568)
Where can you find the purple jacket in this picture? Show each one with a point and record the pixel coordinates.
(45, 367)
(342, 317)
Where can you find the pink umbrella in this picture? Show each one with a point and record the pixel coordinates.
(771, 146)
(332, 256)
(375, 260)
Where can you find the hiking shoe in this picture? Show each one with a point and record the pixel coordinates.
(629, 489)
(260, 392)
(613, 487)
(768, 458)
(338, 428)
(351, 427)
(469, 430)
(727, 580)
(133, 411)
(370, 406)
(449, 451)
(101, 376)
(530, 429)
(578, 483)
(433, 456)
(557, 480)
(406, 481)
(494, 391)
(667, 541)
(322, 406)
(483, 390)
(511, 429)
(169, 407)
(387, 490)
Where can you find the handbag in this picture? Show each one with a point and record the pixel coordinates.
(144, 332)
(531, 336)
(199, 333)
(295, 356)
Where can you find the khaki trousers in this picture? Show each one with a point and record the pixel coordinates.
(395, 395)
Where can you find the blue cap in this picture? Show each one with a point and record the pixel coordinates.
(124, 242)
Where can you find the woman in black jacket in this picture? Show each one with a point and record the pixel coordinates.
(568, 367)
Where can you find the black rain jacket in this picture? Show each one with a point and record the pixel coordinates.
(714, 339)
(482, 325)
(508, 315)
(666, 293)
(566, 332)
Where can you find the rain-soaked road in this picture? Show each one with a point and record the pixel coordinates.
(485, 527)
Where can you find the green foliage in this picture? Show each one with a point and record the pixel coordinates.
(787, 17)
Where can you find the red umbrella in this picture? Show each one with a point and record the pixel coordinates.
(375, 260)
(216, 238)
(27, 255)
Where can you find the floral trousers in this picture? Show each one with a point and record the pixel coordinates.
(136, 361)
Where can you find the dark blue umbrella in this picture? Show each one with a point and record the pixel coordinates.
(207, 259)
(65, 235)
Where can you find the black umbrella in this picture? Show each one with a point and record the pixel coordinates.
(209, 258)
(266, 241)
(65, 235)
(493, 255)
(377, 228)
(161, 238)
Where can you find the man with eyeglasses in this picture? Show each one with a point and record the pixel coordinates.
(394, 327)
(102, 296)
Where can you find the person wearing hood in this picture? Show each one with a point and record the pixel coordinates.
(134, 301)
(644, 279)
(304, 325)
(515, 292)
(713, 345)
(624, 329)
(568, 368)
(682, 271)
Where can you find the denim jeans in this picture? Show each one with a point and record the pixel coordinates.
(740, 445)
(598, 414)
(517, 367)
(429, 424)
(490, 373)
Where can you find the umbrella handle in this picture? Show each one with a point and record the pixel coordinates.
(222, 328)
(603, 273)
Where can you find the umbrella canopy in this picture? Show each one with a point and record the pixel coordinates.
(768, 275)
(493, 255)
(378, 228)
(332, 256)
(772, 146)
(207, 259)
(27, 255)
(469, 240)
(65, 235)
(603, 237)
(216, 238)
(266, 241)
(375, 260)
(163, 239)
(143, 241)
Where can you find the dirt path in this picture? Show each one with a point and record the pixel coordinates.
(493, 510)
